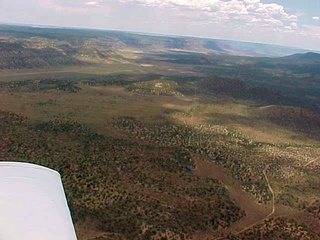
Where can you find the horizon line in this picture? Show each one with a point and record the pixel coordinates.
(48, 26)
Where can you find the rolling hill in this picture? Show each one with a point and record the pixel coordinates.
(166, 137)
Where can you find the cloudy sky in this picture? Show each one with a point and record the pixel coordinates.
(283, 22)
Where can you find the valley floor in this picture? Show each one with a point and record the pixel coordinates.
(145, 156)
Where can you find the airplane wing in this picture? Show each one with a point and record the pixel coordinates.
(33, 205)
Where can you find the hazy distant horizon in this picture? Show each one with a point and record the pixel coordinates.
(152, 34)
(276, 22)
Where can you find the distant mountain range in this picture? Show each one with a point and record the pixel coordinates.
(258, 49)
(304, 56)
(150, 42)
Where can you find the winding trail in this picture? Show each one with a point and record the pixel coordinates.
(266, 217)
(273, 205)
(312, 161)
(271, 190)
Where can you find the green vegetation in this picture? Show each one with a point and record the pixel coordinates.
(154, 141)
(277, 228)
(41, 85)
(102, 173)
(155, 87)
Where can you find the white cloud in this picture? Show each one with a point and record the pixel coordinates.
(65, 7)
(312, 30)
(246, 11)
(294, 25)
(92, 3)
(316, 18)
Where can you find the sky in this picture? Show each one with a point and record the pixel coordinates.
(283, 22)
